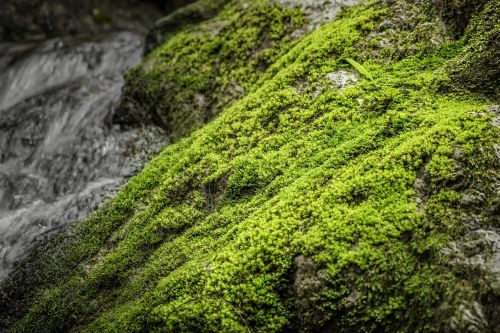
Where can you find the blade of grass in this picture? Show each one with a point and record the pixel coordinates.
(360, 68)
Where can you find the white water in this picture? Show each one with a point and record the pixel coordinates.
(60, 155)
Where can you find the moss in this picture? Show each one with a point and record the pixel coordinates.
(300, 207)
(477, 67)
(457, 13)
(190, 14)
(205, 67)
(35, 20)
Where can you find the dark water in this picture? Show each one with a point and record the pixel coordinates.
(60, 155)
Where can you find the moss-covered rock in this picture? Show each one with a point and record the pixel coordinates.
(205, 67)
(457, 13)
(200, 68)
(305, 205)
(168, 26)
(477, 67)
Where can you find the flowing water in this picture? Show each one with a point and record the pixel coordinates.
(60, 154)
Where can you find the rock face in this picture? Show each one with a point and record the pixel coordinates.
(328, 173)
(60, 155)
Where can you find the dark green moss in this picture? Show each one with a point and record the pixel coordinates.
(477, 67)
(190, 14)
(457, 13)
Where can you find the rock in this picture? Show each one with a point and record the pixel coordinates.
(308, 280)
(342, 79)
(478, 250)
(297, 208)
(457, 13)
(470, 319)
(318, 11)
(472, 198)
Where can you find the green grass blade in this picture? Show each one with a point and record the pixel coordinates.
(360, 68)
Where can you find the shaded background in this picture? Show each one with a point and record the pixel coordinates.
(41, 19)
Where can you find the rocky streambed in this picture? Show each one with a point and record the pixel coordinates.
(60, 154)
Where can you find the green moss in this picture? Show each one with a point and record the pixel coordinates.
(188, 15)
(477, 66)
(457, 13)
(301, 207)
(204, 68)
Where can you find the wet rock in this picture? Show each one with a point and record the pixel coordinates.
(60, 61)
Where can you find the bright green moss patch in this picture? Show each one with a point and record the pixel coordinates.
(301, 207)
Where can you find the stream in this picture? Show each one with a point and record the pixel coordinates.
(60, 154)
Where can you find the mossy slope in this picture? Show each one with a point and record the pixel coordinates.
(207, 66)
(300, 207)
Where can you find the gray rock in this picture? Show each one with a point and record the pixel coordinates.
(479, 251)
(342, 79)
(319, 11)
(469, 318)
(169, 25)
